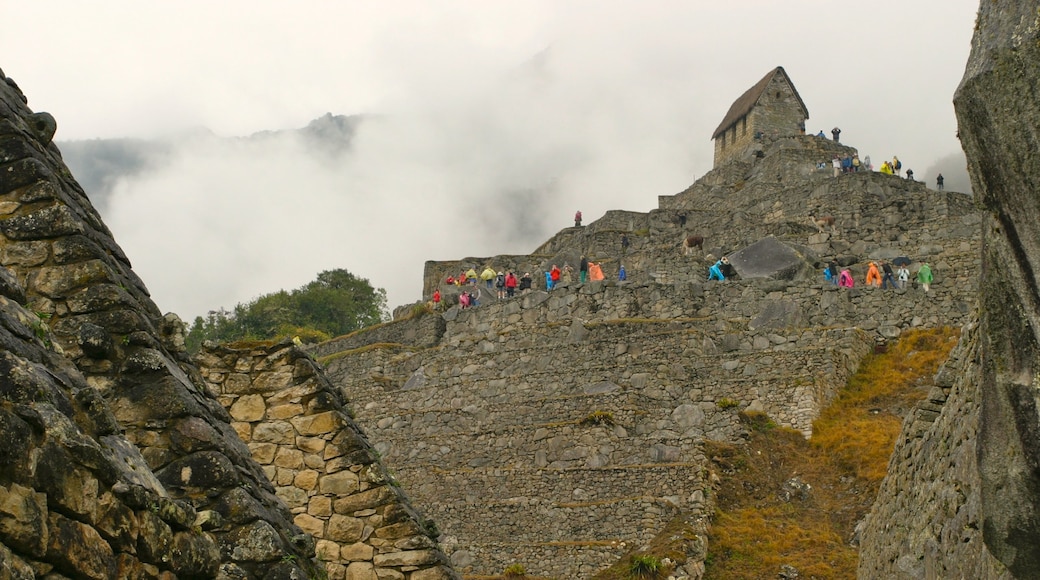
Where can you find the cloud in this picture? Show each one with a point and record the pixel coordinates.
(492, 123)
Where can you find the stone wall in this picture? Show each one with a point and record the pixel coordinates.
(299, 430)
(136, 380)
(77, 499)
(777, 114)
(927, 522)
(504, 402)
(491, 430)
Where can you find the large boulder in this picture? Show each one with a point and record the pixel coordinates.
(771, 258)
(998, 113)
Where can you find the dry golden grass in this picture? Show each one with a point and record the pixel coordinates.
(860, 426)
(755, 531)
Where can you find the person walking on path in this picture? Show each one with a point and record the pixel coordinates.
(624, 243)
(845, 279)
(583, 269)
(471, 276)
(577, 219)
(715, 271)
(487, 276)
(525, 282)
(939, 182)
(924, 276)
(510, 284)
(873, 276)
(621, 275)
(833, 266)
(887, 279)
(500, 285)
(835, 132)
(903, 275)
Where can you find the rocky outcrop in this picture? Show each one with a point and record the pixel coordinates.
(997, 108)
(118, 461)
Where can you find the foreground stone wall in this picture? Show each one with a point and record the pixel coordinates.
(299, 429)
(77, 500)
(135, 381)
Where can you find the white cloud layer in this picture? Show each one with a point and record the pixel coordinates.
(495, 120)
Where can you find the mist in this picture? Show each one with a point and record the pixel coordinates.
(210, 222)
(486, 125)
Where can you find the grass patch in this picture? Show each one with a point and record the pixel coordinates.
(860, 426)
(756, 530)
(673, 542)
(727, 403)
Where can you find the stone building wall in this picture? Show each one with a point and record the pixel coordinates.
(299, 430)
(777, 114)
(101, 319)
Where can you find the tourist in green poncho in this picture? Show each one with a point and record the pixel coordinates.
(924, 276)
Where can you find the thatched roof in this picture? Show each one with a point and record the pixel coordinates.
(743, 105)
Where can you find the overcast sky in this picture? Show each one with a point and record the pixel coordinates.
(497, 120)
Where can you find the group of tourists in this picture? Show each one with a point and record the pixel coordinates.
(882, 277)
(895, 167)
(506, 284)
(848, 164)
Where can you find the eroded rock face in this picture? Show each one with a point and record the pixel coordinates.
(998, 112)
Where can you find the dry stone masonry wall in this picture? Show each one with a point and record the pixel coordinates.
(499, 417)
(118, 462)
(299, 430)
(927, 522)
(496, 412)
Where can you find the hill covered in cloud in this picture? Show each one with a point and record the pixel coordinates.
(100, 164)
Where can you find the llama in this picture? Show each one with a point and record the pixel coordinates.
(822, 221)
(690, 242)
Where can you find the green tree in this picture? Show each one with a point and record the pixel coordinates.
(336, 303)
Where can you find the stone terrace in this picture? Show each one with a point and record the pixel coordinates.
(490, 419)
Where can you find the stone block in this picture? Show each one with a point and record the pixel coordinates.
(407, 558)
(248, 408)
(345, 528)
(306, 479)
(318, 424)
(357, 552)
(315, 527)
(285, 411)
(341, 483)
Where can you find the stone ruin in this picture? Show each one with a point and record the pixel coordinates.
(556, 430)
(120, 460)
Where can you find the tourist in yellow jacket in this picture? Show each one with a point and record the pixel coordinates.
(487, 276)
